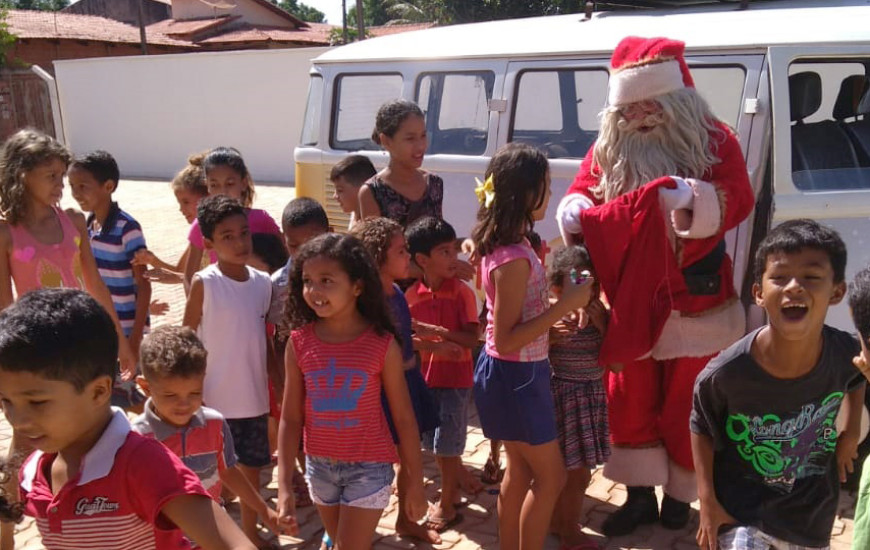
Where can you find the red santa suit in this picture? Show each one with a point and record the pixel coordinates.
(671, 291)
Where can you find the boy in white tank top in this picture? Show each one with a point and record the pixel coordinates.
(227, 306)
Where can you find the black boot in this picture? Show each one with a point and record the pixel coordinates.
(640, 508)
(675, 514)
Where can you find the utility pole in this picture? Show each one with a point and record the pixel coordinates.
(360, 26)
(142, 38)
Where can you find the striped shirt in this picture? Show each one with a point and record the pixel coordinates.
(205, 445)
(116, 498)
(344, 419)
(114, 245)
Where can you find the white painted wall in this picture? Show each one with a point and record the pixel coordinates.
(151, 112)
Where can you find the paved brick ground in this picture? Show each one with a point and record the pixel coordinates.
(153, 204)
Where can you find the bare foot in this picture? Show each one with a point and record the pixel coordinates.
(576, 538)
(468, 482)
(405, 528)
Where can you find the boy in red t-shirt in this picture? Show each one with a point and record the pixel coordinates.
(92, 483)
(444, 311)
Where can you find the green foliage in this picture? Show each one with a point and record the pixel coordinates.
(336, 36)
(42, 5)
(445, 12)
(7, 39)
(300, 10)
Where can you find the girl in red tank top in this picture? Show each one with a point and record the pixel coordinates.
(342, 353)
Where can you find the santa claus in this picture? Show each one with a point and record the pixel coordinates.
(652, 202)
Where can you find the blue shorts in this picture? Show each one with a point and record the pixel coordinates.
(357, 484)
(251, 440)
(448, 439)
(514, 400)
(744, 537)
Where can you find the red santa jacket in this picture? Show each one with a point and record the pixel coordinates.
(616, 232)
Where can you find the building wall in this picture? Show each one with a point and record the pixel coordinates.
(159, 109)
(251, 12)
(126, 11)
(44, 52)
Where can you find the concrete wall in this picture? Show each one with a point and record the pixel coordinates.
(151, 112)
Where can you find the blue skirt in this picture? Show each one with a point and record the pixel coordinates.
(514, 400)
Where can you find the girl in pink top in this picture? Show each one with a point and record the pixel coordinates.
(43, 246)
(225, 173)
(342, 353)
(512, 375)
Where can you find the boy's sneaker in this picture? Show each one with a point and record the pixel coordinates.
(640, 508)
(675, 514)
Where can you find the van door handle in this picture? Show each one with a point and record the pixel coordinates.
(497, 105)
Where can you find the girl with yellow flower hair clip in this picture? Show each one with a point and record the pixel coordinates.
(512, 375)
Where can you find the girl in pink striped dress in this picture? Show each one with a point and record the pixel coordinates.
(342, 352)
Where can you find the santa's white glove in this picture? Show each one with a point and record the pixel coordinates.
(680, 197)
(568, 215)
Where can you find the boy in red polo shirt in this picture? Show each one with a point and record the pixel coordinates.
(444, 311)
(92, 483)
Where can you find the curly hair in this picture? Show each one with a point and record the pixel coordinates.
(360, 267)
(564, 260)
(22, 152)
(519, 174)
(213, 210)
(172, 351)
(191, 177)
(376, 235)
(9, 511)
(391, 115)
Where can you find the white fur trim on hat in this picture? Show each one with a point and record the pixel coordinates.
(641, 82)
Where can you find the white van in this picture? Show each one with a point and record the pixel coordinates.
(790, 76)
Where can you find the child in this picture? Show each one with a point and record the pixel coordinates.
(302, 220)
(512, 375)
(92, 483)
(341, 354)
(764, 441)
(347, 176)
(859, 305)
(385, 241)
(227, 305)
(402, 191)
(173, 370)
(189, 188)
(225, 173)
(578, 392)
(444, 310)
(115, 238)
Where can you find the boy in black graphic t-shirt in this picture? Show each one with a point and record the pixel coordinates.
(767, 456)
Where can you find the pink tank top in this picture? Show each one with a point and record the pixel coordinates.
(36, 265)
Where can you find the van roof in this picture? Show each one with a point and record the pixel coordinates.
(702, 27)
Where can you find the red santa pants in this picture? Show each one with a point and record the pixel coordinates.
(650, 401)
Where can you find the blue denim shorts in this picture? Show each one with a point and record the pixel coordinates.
(744, 537)
(448, 439)
(357, 484)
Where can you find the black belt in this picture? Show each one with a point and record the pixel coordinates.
(702, 277)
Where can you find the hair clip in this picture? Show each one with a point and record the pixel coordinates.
(581, 277)
(485, 191)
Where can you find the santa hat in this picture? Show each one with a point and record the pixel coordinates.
(645, 68)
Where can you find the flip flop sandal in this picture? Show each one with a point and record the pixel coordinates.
(439, 525)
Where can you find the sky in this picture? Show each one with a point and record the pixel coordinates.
(332, 8)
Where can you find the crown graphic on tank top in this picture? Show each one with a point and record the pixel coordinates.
(336, 389)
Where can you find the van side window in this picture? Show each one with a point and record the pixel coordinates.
(357, 99)
(311, 123)
(457, 110)
(722, 87)
(830, 128)
(557, 110)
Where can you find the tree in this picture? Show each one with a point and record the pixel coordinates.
(300, 10)
(42, 5)
(7, 39)
(445, 12)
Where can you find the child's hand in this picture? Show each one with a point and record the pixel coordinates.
(847, 452)
(576, 296)
(564, 327)
(713, 516)
(598, 314)
(158, 275)
(287, 516)
(127, 360)
(156, 307)
(426, 331)
(450, 350)
(467, 247)
(416, 504)
(271, 520)
(464, 270)
(143, 256)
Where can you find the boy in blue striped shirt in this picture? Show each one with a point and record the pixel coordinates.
(115, 238)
